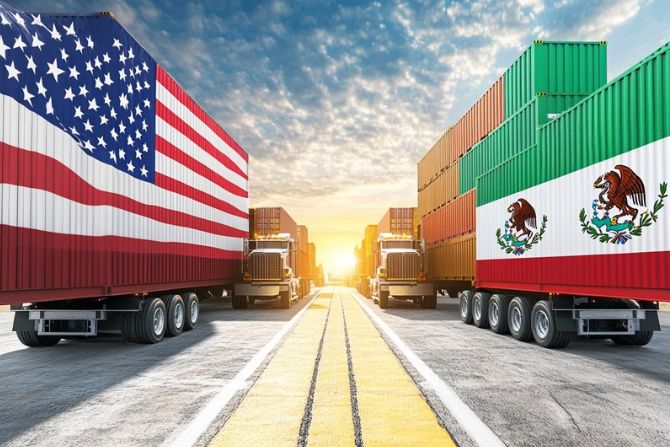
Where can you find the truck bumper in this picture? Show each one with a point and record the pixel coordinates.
(408, 289)
(260, 289)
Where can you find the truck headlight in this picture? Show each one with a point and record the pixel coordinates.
(422, 276)
(246, 275)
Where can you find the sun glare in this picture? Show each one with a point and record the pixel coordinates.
(343, 263)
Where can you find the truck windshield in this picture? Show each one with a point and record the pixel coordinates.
(398, 244)
(254, 245)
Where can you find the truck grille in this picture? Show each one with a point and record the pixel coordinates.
(265, 266)
(402, 265)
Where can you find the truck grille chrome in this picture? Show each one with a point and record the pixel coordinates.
(403, 266)
(265, 266)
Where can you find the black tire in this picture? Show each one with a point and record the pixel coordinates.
(252, 300)
(519, 323)
(128, 324)
(641, 338)
(285, 299)
(465, 306)
(192, 307)
(176, 315)
(31, 339)
(239, 302)
(383, 299)
(498, 305)
(480, 309)
(429, 302)
(543, 326)
(148, 328)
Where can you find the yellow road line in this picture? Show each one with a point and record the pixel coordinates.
(392, 410)
(272, 411)
(332, 421)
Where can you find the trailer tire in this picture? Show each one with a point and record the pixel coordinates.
(151, 322)
(429, 302)
(383, 299)
(498, 305)
(465, 306)
(544, 328)
(480, 309)
(192, 308)
(285, 299)
(251, 300)
(641, 338)
(128, 323)
(31, 339)
(518, 318)
(239, 302)
(176, 315)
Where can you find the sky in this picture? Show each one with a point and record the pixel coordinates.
(337, 101)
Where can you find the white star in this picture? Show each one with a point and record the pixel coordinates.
(107, 100)
(138, 87)
(147, 104)
(69, 31)
(101, 142)
(131, 72)
(98, 83)
(97, 62)
(77, 112)
(112, 155)
(106, 58)
(131, 168)
(88, 146)
(144, 125)
(93, 105)
(138, 111)
(123, 98)
(63, 54)
(145, 67)
(130, 89)
(3, 48)
(89, 66)
(19, 43)
(108, 79)
(88, 127)
(4, 20)
(131, 120)
(89, 42)
(122, 154)
(144, 171)
(103, 120)
(68, 93)
(31, 64)
(54, 70)
(12, 72)
(54, 33)
(37, 20)
(50, 107)
(145, 148)
(122, 74)
(83, 91)
(122, 128)
(138, 154)
(117, 44)
(19, 19)
(74, 73)
(73, 131)
(27, 96)
(138, 134)
(79, 47)
(122, 58)
(129, 140)
(113, 113)
(114, 135)
(130, 53)
(146, 84)
(40, 88)
(137, 70)
(37, 43)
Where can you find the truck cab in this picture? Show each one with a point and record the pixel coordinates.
(401, 272)
(267, 274)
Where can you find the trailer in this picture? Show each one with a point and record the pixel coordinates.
(123, 203)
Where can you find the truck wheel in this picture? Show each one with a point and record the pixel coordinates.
(176, 315)
(192, 306)
(498, 305)
(239, 302)
(518, 318)
(641, 338)
(285, 299)
(429, 302)
(30, 338)
(150, 322)
(465, 306)
(251, 300)
(383, 299)
(543, 325)
(480, 309)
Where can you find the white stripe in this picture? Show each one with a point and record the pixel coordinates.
(68, 217)
(178, 139)
(42, 137)
(201, 422)
(467, 419)
(179, 109)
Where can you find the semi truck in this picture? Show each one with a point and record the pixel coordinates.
(400, 272)
(268, 274)
(121, 208)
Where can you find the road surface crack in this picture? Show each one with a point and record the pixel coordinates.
(572, 419)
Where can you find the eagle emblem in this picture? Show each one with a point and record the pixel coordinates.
(620, 212)
(520, 232)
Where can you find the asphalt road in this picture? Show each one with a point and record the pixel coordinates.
(107, 392)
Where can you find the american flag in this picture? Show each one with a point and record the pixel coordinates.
(108, 147)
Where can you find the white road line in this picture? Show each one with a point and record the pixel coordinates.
(201, 422)
(467, 419)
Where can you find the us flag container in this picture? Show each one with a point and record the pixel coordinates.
(113, 181)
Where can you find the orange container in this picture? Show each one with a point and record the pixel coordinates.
(434, 162)
(454, 219)
(453, 259)
(440, 191)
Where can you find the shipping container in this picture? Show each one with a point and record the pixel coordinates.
(82, 217)
(398, 221)
(369, 249)
(435, 160)
(455, 219)
(440, 191)
(452, 259)
(271, 221)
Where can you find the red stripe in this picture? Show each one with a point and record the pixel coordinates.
(44, 266)
(45, 170)
(171, 184)
(166, 80)
(634, 275)
(172, 151)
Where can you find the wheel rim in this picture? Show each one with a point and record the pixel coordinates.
(179, 315)
(516, 319)
(494, 315)
(194, 311)
(159, 321)
(464, 307)
(477, 308)
(541, 323)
